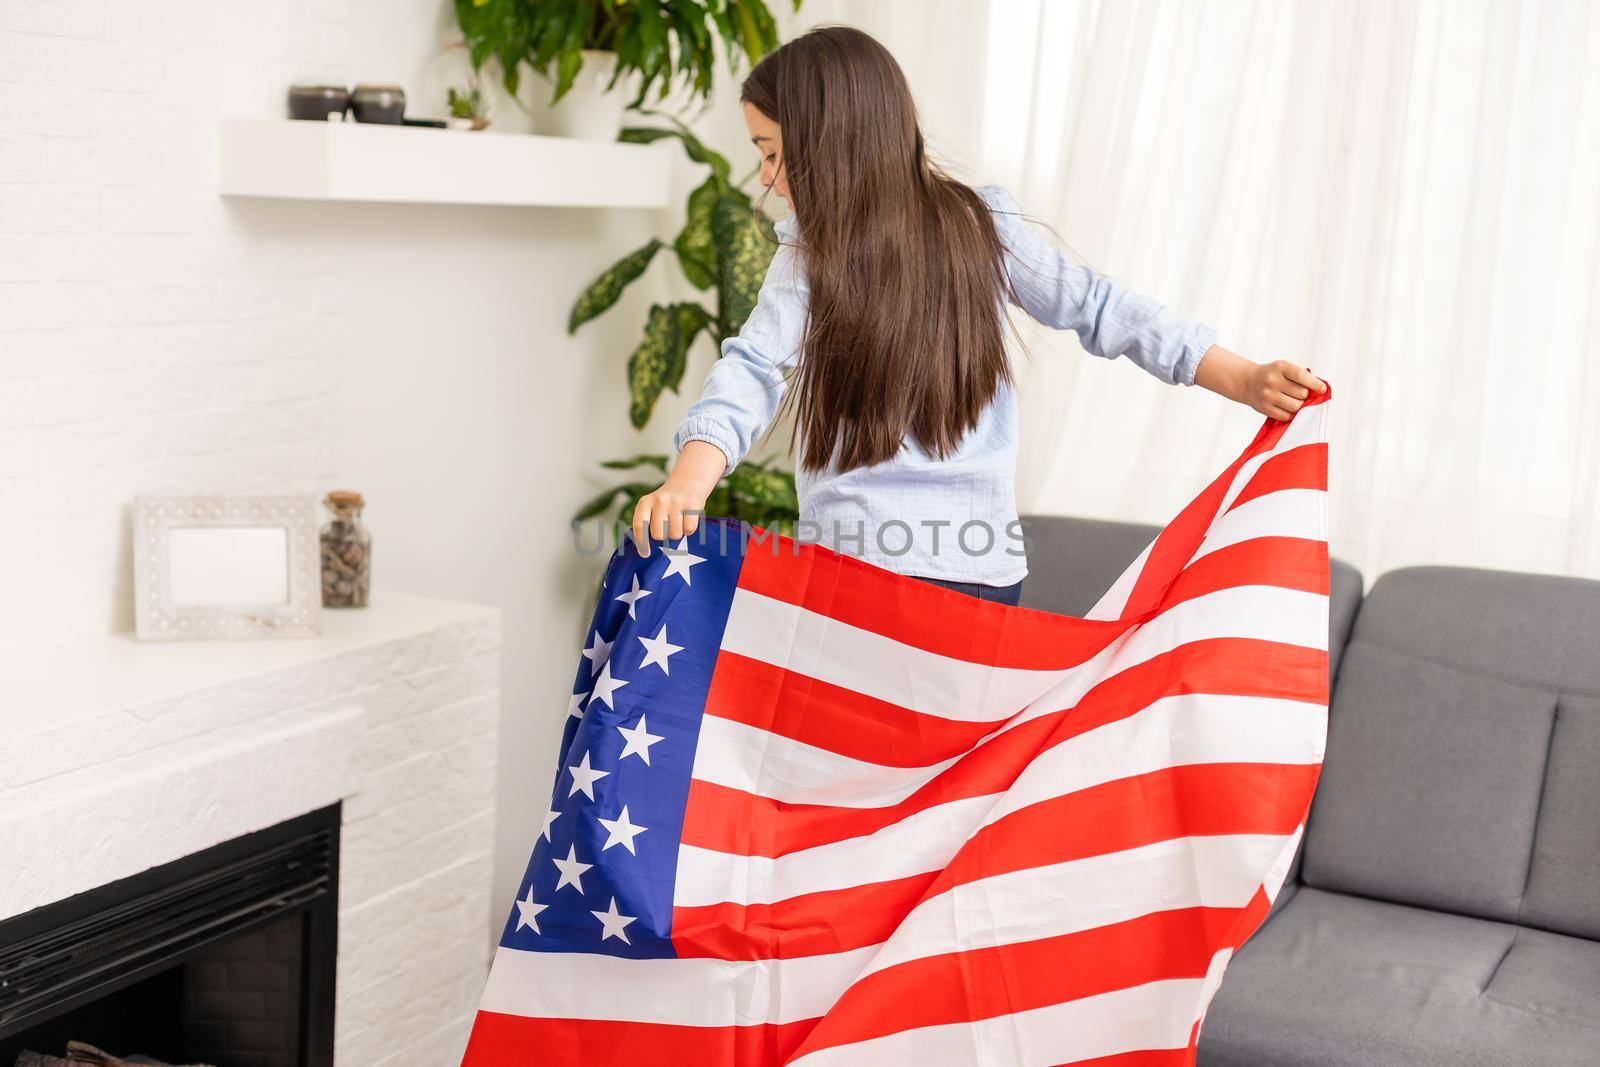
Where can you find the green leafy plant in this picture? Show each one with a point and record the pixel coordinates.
(658, 39)
(466, 102)
(725, 247)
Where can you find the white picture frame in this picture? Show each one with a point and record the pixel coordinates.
(221, 567)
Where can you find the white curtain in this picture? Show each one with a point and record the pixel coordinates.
(1403, 195)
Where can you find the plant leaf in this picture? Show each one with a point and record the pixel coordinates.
(654, 52)
(643, 460)
(630, 491)
(763, 491)
(651, 364)
(743, 256)
(696, 245)
(579, 21)
(692, 318)
(605, 290)
(597, 505)
(750, 37)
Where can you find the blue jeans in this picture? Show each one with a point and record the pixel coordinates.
(1005, 594)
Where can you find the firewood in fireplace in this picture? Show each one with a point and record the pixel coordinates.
(79, 1053)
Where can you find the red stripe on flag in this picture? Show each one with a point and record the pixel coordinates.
(985, 983)
(1207, 798)
(793, 705)
(817, 924)
(1153, 1057)
(1285, 562)
(1304, 467)
(518, 1041)
(921, 615)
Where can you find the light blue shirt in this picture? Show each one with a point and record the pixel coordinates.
(954, 518)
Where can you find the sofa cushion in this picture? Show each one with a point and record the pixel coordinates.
(1460, 769)
(1430, 788)
(1536, 629)
(1338, 980)
(1564, 877)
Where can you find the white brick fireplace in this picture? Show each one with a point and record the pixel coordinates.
(117, 756)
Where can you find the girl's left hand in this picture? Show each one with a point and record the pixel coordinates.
(1279, 389)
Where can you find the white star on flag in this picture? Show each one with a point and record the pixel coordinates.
(614, 922)
(550, 817)
(630, 598)
(597, 653)
(584, 777)
(658, 650)
(571, 870)
(528, 912)
(680, 561)
(639, 741)
(604, 686)
(620, 831)
(575, 705)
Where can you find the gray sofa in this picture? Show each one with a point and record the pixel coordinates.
(1445, 904)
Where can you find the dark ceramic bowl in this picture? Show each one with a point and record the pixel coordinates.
(317, 102)
(378, 103)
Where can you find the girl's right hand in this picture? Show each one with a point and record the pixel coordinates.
(668, 512)
(674, 510)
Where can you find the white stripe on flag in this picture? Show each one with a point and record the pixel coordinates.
(682, 992)
(797, 773)
(1278, 873)
(917, 844)
(1260, 612)
(1214, 871)
(809, 643)
(1175, 731)
(1285, 513)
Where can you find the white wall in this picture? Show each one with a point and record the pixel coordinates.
(155, 337)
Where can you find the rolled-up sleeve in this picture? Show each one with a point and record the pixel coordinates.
(1110, 319)
(742, 392)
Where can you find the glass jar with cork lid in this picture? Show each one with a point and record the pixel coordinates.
(346, 552)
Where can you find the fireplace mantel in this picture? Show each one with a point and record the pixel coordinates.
(117, 756)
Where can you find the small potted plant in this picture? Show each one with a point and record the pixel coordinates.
(466, 108)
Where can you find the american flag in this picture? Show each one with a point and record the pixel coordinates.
(809, 811)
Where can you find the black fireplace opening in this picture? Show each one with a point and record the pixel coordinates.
(224, 957)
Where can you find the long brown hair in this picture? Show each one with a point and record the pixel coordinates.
(904, 264)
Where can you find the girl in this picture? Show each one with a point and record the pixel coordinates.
(883, 301)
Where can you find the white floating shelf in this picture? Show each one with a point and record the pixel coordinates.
(414, 164)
